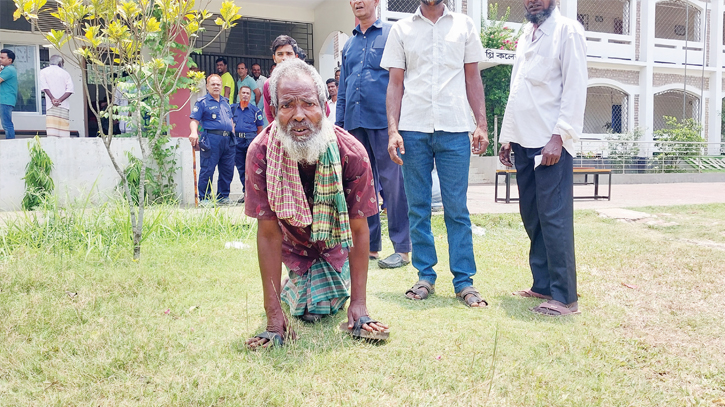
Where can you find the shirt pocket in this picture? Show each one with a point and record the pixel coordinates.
(375, 53)
(541, 69)
(453, 53)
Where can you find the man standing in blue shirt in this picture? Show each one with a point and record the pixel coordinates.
(248, 123)
(361, 111)
(8, 91)
(246, 80)
(216, 142)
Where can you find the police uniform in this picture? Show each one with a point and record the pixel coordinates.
(217, 144)
(245, 128)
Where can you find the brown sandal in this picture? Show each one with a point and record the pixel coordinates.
(553, 308)
(422, 289)
(530, 294)
(470, 296)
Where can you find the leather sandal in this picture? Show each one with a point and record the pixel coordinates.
(470, 296)
(422, 289)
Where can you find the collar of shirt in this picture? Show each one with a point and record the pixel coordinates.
(419, 14)
(376, 24)
(547, 27)
(209, 97)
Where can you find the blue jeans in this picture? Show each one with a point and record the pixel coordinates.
(6, 117)
(451, 153)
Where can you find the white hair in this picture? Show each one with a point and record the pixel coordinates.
(56, 60)
(294, 69)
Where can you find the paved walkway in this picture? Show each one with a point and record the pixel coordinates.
(481, 197)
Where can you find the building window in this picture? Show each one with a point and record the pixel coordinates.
(606, 111)
(7, 8)
(677, 20)
(26, 63)
(516, 10)
(610, 17)
(675, 103)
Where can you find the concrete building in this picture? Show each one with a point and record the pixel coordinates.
(648, 59)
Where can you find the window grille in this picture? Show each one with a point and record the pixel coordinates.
(605, 16)
(409, 6)
(606, 111)
(672, 21)
(516, 15)
(675, 103)
(253, 37)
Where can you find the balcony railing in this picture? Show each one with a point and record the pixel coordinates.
(679, 52)
(610, 46)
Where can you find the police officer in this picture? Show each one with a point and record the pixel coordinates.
(248, 122)
(217, 141)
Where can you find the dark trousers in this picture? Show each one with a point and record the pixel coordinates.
(216, 151)
(546, 202)
(388, 177)
(240, 157)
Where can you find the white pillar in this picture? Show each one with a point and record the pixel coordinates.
(646, 54)
(475, 11)
(568, 8)
(716, 93)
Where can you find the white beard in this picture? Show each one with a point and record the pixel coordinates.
(309, 150)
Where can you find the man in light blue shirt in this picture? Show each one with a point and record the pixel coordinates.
(248, 81)
(8, 91)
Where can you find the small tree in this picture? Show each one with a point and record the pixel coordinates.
(681, 138)
(497, 79)
(150, 41)
(38, 183)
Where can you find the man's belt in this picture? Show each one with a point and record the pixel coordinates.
(246, 135)
(220, 132)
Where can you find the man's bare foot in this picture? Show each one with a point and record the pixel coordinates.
(277, 329)
(373, 256)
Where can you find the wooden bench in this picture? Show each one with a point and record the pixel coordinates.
(586, 171)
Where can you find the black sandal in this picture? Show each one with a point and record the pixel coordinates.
(274, 339)
(358, 332)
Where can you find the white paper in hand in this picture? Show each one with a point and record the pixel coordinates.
(537, 160)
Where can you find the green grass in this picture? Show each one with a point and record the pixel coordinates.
(113, 343)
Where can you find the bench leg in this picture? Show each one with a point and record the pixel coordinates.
(596, 186)
(508, 188)
(495, 190)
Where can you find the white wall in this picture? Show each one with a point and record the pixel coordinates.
(260, 9)
(81, 167)
(36, 121)
(331, 16)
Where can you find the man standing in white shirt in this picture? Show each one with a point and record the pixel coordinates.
(57, 84)
(434, 82)
(545, 113)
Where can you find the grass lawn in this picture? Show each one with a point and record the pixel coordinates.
(81, 324)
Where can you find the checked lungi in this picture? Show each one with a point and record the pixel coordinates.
(322, 289)
(57, 122)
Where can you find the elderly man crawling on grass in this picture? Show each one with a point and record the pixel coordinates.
(310, 187)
